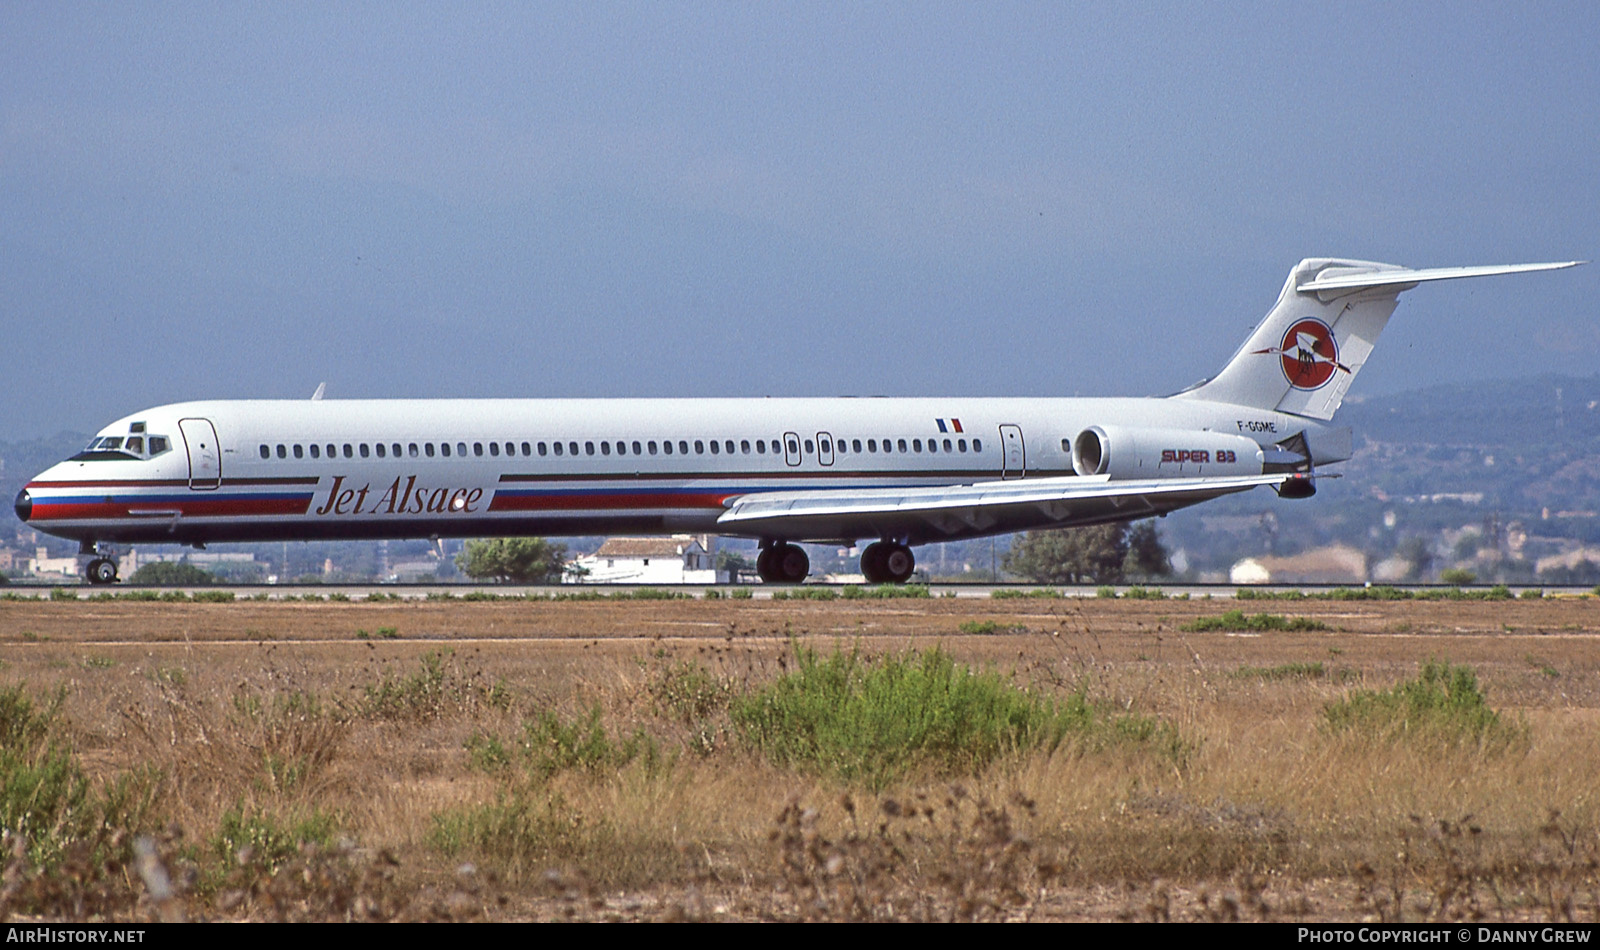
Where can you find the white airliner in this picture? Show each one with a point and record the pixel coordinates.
(900, 472)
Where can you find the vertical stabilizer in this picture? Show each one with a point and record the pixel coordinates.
(1303, 357)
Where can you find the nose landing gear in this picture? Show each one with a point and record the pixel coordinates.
(102, 566)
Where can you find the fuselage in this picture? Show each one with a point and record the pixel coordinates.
(319, 469)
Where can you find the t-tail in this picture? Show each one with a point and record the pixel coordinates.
(1303, 357)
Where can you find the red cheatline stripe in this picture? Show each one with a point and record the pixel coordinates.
(78, 511)
(605, 502)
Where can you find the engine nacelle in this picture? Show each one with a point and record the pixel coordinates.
(1123, 452)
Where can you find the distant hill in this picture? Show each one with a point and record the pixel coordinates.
(1511, 414)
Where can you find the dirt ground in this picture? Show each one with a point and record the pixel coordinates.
(1538, 660)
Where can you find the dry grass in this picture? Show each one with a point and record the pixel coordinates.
(274, 723)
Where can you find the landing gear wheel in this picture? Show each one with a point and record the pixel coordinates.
(898, 563)
(102, 570)
(872, 563)
(792, 564)
(783, 564)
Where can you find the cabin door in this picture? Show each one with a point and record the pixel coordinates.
(791, 448)
(205, 458)
(1014, 455)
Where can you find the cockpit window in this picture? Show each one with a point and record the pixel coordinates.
(108, 448)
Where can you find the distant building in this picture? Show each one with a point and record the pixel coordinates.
(44, 565)
(680, 559)
(1336, 564)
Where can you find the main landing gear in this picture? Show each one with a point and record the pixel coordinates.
(887, 562)
(783, 564)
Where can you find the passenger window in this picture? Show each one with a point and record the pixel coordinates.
(527, 449)
(413, 450)
(382, 450)
(588, 448)
(299, 451)
(933, 445)
(558, 448)
(348, 451)
(395, 447)
(683, 446)
(794, 447)
(714, 447)
(761, 446)
(572, 448)
(728, 445)
(1066, 445)
(316, 451)
(511, 448)
(652, 444)
(283, 453)
(636, 448)
(363, 450)
(744, 446)
(461, 449)
(494, 449)
(266, 453)
(977, 445)
(605, 448)
(826, 446)
(542, 447)
(961, 444)
(947, 445)
(872, 445)
(855, 445)
(667, 446)
(902, 445)
(477, 449)
(427, 449)
(444, 449)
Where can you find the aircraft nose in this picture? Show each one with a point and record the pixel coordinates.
(24, 505)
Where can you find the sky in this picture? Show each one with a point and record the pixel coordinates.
(245, 200)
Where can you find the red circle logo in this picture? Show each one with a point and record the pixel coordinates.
(1309, 354)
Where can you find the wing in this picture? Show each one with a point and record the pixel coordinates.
(946, 513)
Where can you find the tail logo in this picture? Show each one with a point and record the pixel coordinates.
(1308, 354)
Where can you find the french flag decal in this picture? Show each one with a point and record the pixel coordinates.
(955, 425)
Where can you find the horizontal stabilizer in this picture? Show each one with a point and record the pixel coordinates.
(1333, 279)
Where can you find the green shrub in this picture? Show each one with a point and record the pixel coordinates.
(1282, 671)
(885, 592)
(1442, 703)
(987, 627)
(873, 720)
(266, 841)
(1235, 621)
(1041, 593)
(47, 802)
(805, 593)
